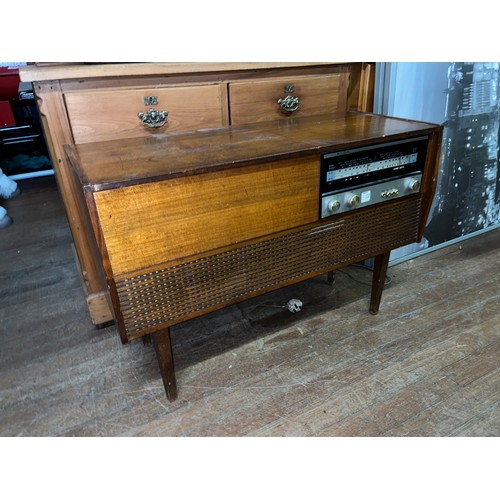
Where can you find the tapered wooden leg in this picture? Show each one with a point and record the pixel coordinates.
(163, 348)
(331, 277)
(379, 272)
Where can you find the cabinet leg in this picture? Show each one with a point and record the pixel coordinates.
(331, 277)
(379, 272)
(163, 348)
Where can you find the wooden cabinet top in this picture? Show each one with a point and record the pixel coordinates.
(110, 164)
(66, 71)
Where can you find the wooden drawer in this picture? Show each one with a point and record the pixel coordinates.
(103, 115)
(257, 100)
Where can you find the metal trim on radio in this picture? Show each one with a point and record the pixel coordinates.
(369, 195)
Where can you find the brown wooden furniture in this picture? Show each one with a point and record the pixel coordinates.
(85, 103)
(191, 222)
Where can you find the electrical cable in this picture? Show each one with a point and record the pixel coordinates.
(295, 305)
(387, 279)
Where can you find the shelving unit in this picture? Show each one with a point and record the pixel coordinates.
(23, 150)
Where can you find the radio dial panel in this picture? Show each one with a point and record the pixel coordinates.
(360, 177)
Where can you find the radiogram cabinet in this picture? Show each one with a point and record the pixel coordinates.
(86, 103)
(190, 222)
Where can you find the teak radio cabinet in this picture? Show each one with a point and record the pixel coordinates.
(225, 214)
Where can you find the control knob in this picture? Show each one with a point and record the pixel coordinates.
(413, 185)
(352, 200)
(333, 205)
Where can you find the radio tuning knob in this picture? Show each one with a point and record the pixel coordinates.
(351, 200)
(413, 185)
(333, 205)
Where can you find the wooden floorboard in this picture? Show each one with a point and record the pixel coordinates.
(426, 365)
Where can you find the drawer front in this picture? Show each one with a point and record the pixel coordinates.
(147, 225)
(258, 100)
(113, 114)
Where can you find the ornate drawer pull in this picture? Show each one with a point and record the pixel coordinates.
(153, 118)
(289, 104)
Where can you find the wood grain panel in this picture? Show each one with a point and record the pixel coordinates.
(52, 114)
(361, 87)
(163, 221)
(257, 100)
(108, 164)
(68, 71)
(112, 114)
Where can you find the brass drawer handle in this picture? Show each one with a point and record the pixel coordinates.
(289, 104)
(153, 118)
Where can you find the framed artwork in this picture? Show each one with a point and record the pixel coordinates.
(464, 98)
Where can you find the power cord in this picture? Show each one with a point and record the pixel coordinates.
(295, 305)
(387, 279)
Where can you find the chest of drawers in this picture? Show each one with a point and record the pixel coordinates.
(88, 103)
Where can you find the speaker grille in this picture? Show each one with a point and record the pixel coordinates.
(173, 294)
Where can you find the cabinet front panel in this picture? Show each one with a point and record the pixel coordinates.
(172, 294)
(276, 98)
(103, 115)
(150, 224)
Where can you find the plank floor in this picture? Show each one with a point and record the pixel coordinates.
(426, 365)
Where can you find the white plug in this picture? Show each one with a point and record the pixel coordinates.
(294, 305)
